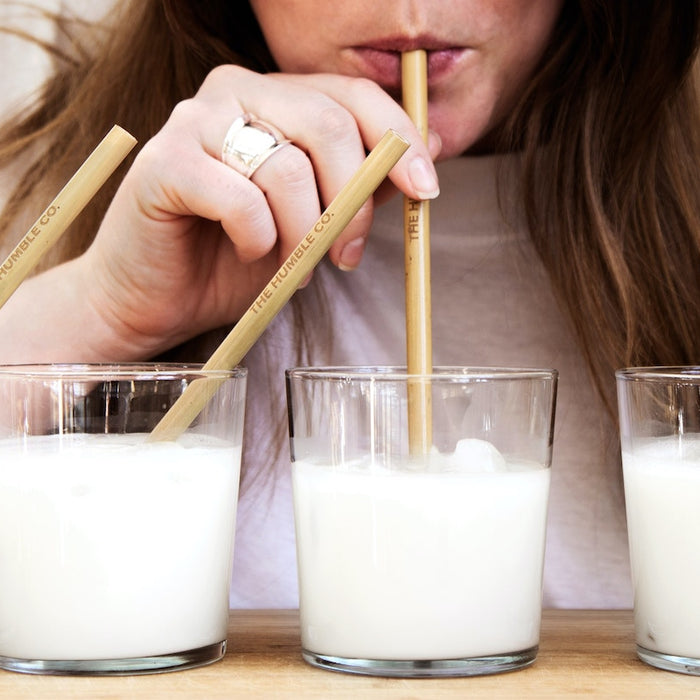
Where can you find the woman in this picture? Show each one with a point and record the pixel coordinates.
(586, 262)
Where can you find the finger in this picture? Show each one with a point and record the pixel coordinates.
(328, 134)
(334, 120)
(375, 112)
(341, 119)
(387, 189)
(288, 181)
(188, 182)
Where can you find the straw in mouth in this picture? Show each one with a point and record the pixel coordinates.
(414, 78)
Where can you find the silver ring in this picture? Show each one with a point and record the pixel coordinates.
(249, 143)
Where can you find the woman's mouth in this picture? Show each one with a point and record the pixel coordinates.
(381, 61)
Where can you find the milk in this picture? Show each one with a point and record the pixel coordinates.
(111, 548)
(436, 560)
(662, 491)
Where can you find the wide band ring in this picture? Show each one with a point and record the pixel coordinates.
(249, 143)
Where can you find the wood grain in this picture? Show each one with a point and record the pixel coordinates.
(582, 653)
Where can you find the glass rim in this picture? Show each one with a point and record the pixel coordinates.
(661, 373)
(387, 373)
(117, 370)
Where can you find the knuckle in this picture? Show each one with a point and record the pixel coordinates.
(224, 73)
(363, 90)
(250, 206)
(189, 111)
(250, 225)
(334, 123)
(159, 154)
(291, 167)
(363, 85)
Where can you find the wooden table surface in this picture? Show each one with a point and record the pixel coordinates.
(582, 652)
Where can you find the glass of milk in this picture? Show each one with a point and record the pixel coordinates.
(659, 410)
(420, 562)
(115, 550)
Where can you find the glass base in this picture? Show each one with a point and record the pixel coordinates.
(474, 666)
(117, 667)
(668, 662)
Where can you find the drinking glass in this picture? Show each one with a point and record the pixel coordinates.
(659, 410)
(421, 563)
(115, 549)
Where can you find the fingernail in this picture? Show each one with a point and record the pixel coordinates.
(423, 179)
(351, 254)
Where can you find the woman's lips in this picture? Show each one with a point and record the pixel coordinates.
(383, 65)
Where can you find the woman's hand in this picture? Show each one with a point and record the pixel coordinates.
(188, 242)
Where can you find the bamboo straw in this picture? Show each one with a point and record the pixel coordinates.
(68, 203)
(280, 288)
(419, 360)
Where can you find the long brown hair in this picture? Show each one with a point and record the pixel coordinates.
(131, 69)
(608, 129)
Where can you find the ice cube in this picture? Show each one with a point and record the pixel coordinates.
(472, 455)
